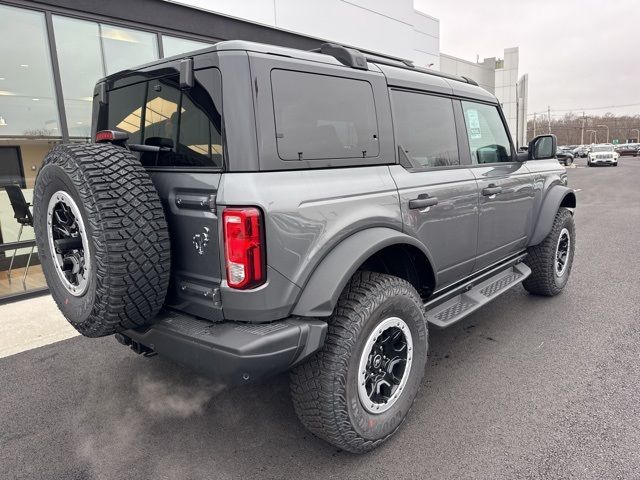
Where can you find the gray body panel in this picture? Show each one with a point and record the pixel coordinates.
(323, 219)
(446, 229)
(504, 218)
(307, 214)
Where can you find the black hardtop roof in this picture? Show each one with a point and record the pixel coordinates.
(394, 68)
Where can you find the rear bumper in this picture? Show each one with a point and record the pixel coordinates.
(229, 352)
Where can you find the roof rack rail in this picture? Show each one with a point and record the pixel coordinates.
(347, 56)
(354, 58)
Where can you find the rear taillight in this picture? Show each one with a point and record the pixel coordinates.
(243, 247)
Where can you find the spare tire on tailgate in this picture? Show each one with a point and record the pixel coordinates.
(102, 237)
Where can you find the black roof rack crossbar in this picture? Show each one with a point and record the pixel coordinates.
(354, 58)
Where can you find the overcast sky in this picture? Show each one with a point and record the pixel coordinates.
(579, 54)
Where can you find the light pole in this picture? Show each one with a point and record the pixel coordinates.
(636, 130)
(595, 134)
(607, 127)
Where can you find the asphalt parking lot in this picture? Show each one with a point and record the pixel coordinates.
(527, 387)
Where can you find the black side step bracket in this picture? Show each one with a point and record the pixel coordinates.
(445, 314)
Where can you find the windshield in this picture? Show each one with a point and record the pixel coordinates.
(602, 148)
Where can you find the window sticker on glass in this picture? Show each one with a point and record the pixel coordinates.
(474, 124)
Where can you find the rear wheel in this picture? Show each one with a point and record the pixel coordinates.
(551, 260)
(357, 390)
(102, 238)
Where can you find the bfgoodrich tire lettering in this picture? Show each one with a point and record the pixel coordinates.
(127, 237)
(325, 389)
(546, 277)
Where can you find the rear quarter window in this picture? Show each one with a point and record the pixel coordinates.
(323, 117)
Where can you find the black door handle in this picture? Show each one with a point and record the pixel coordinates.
(423, 201)
(491, 190)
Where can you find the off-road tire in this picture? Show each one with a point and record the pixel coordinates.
(324, 389)
(541, 258)
(126, 232)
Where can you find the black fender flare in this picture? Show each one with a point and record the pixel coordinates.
(558, 196)
(322, 290)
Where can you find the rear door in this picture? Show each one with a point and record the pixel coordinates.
(438, 192)
(505, 185)
(185, 126)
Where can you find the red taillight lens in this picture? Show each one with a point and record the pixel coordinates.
(243, 247)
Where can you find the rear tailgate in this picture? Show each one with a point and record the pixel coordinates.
(177, 133)
(188, 200)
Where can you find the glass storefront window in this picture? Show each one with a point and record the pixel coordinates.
(27, 102)
(20, 160)
(80, 60)
(175, 45)
(86, 51)
(125, 48)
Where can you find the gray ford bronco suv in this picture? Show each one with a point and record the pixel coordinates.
(249, 209)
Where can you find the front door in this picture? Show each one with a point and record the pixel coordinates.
(438, 195)
(505, 186)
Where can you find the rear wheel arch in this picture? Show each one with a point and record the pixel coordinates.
(378, 249)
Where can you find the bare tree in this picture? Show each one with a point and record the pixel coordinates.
(569, 127)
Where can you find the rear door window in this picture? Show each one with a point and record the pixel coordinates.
(323, 117)
(425, 128)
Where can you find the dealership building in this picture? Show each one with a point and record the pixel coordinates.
(53, 51)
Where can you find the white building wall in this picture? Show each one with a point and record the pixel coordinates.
(389, 27)
(483, 73)
(506, 87)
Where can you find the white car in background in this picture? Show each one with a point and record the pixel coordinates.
(602, 155)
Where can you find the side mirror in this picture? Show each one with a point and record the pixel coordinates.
(543, 147)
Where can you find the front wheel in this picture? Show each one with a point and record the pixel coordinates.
(357, 390)
(551, 260)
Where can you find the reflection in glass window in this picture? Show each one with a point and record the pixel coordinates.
(175, 46)
(27, 102)
(488, 139)
(320, 116)
(125, 48)
(187, 125)
(80, 60)
(200, 141)
(161, 111)
(426, 128)
(125, 110)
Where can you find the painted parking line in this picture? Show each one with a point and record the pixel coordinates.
(31, 324)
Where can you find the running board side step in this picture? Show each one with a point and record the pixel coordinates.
(445, 314)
